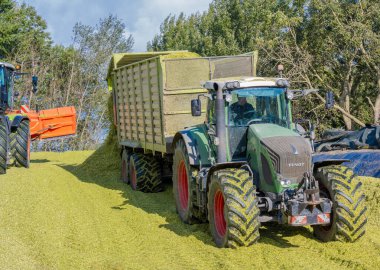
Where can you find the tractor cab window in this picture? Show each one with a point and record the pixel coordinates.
(2, 77)
(9, 85)
(258, 105)
(211, 117)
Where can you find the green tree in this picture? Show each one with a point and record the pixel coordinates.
(327, 44)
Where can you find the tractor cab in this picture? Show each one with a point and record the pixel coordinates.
(6, 86)
(247, 101)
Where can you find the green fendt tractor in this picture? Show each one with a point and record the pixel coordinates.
(262, 168)
(246, 162)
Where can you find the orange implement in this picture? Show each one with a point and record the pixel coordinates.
(52, 123)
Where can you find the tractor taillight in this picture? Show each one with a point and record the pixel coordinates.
(297, 220)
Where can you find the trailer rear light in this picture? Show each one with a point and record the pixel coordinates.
(298, 220)
(323, 218)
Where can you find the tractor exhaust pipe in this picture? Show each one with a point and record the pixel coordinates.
(220, 124)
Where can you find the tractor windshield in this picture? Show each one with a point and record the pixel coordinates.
(258, 105)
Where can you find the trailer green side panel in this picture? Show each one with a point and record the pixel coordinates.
(152, 93)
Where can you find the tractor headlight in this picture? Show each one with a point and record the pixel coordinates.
(230, 85)
(282, 83)
(285, 182)
(289, 95)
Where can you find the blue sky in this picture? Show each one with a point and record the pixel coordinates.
(142, 18)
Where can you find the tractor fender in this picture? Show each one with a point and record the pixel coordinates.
(328, 162)
(197, 145)
(17, 121)
(221, 166)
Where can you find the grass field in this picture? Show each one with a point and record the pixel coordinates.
(70, 211)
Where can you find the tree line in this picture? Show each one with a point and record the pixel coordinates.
(71, 75)
(325, 44)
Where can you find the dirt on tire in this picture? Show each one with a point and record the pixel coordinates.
(348, 217)
(145, 173)
(20, 145)
(242, 213)
(182, 184)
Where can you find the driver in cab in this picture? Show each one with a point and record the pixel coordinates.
(241, 109)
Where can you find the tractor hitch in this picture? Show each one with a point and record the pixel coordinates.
(307, 207)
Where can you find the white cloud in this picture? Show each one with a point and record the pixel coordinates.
(142, 18)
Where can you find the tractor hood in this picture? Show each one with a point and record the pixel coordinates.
(271, 130)
(290, 154)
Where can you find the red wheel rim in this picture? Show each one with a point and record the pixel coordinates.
(220, 222)
(183, 186)
(133, 176)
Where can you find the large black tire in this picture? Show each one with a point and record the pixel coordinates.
(3, 147)
(348, 217)
(233, 211)
(125, 166)
(183, 185)
(144, 173)
(20, 145)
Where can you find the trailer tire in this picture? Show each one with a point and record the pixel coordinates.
(182, 191)
(3, 147)
(348, 216)
(233, 211)
(144, 173)
(20, 145)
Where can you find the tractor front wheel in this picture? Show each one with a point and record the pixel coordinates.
(144, 173)
(348, 217)
(20, 145)
(3, 147)
(233, 212)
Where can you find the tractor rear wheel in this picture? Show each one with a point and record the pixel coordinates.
(20, 145)
(348, 217)
(3, 147)
(182, 181)
(125, 166)
(233, 211)
(144, 173)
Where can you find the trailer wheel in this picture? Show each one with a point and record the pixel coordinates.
(348, 217)
(144, 173)
(182, 191)
(3, 147)
(233, 212)
(125, 166)
(20, 145)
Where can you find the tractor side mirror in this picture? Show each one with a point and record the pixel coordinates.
(35, 83)
(196, 107)
(329, 100)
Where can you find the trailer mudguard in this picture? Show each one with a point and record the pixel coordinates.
(16, 121)
(198, 146)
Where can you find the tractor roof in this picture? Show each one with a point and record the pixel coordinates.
(242, 82)
(7, 65)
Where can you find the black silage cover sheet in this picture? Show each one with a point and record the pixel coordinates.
(363, 162)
